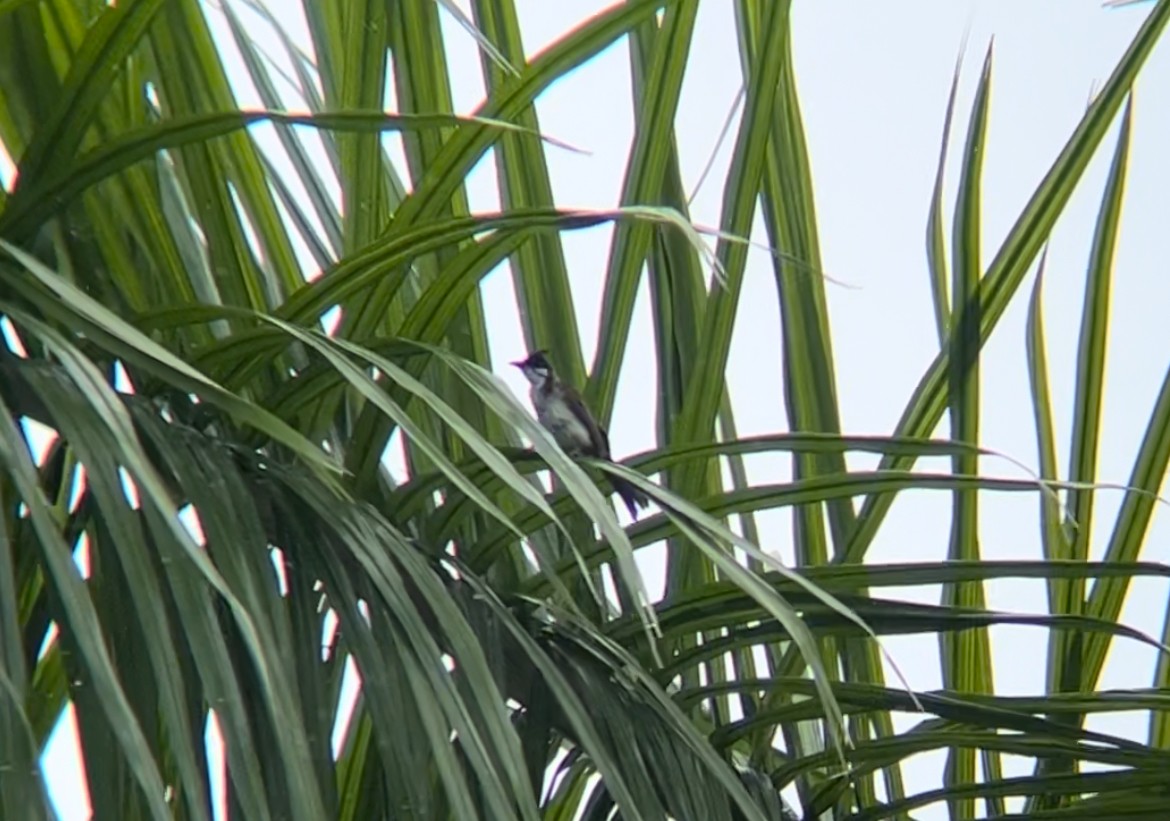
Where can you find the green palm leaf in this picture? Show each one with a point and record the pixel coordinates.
(257, 473)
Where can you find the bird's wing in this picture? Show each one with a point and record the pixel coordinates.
(605, 441)
(597, 436)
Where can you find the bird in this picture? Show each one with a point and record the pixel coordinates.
(563, 413)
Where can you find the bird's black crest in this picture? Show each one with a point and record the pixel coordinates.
(537, 359)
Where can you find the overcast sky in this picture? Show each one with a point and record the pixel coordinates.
(873, 80)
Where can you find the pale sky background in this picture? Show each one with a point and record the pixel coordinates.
(874, 80)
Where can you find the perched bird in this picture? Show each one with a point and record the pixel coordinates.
(563, 413)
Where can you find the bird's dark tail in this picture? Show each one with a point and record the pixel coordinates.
(630, 494)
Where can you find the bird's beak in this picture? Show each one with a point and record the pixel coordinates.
(519, 364)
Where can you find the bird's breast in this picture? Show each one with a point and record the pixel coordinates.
(558, 418)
